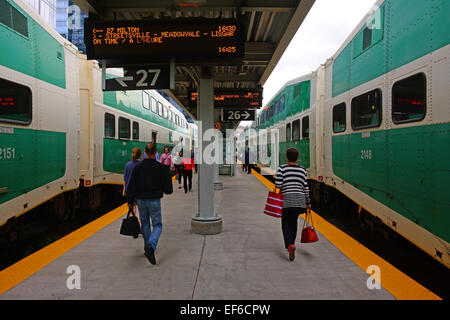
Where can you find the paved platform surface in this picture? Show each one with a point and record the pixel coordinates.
(246, 261)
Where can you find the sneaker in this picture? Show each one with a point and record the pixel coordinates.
(150, 254)
(291, 252)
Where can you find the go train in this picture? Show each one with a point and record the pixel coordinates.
(63, 141)
(372, 124)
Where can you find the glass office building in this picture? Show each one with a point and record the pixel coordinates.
(65, 17)
(70, 23)
(46, 9)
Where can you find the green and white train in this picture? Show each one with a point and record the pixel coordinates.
(63, 141)
(373, 123)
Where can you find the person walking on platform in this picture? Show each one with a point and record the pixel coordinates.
(178, 168)
(187, 165)
(135, 159)
(149, 181)
(291, 180)
(166, 159)
(246, 159)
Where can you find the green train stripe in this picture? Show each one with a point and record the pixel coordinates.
(405, 169)
(399, 37)
(30, 159)
(303, 147)
(297, 100)
(117, 153)
(39, 55)
(131, 102)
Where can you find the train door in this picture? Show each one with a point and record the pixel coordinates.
(154, 136)
(276, 149)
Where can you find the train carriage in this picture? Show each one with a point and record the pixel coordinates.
(386, 123)
(379, 131)
(39, 112)
(63, 141)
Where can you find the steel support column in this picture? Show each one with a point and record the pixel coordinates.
(206, 221)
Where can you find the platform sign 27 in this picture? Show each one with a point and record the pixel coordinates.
(141, 78)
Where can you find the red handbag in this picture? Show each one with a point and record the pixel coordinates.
(309, 233)
(274, 204)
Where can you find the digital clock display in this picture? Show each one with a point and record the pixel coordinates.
(186, 40)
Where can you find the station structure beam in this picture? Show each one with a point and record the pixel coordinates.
(269, 26)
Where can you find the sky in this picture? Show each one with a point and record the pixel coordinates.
(320, 36)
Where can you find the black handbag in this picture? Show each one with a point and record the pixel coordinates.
(130, 225)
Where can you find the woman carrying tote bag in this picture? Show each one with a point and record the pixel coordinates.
(291, 180)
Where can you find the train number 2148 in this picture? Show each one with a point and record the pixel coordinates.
(366, 154)
(7, 153)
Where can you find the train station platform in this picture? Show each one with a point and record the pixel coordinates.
(246, 261)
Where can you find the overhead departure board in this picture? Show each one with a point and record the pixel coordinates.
(232, 98)
(203, 40)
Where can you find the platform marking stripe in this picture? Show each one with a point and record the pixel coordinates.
(26, 267)
(393, 280)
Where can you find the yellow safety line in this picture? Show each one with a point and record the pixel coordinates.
(393, 280)
(26, 267)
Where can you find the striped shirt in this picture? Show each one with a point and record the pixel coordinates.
(291, 180)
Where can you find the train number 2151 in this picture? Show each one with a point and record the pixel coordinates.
(7, 153)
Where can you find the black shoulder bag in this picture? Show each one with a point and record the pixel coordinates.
(130, 225)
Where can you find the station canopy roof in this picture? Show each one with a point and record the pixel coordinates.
(269, 27)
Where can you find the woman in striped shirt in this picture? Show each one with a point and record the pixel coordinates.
(291, 180)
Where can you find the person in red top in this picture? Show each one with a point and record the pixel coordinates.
(188, 166)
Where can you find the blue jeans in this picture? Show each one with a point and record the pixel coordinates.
(150, 209)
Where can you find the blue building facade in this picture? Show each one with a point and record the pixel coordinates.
(70, 23)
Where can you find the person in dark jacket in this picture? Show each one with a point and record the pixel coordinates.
(149, 181)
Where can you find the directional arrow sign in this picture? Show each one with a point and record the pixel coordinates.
(238, 115)
(141, 78)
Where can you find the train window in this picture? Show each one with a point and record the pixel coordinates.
(296, 130)
(12, 18)
(135, 130)
(367, 38)
(297, 90)
(15, 102)
(145, 100)
(366, 110)
(305, 127)
(124, 128)
(153, 105)
(409, 101)
(288, 132)
(165, 112)
(110, 126)
(282, 103)
(277, 106)
(339, 118)
(177, 120)
(160, 109)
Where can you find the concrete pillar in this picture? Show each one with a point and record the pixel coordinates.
(206, 221)
(218, 185)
